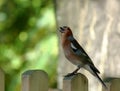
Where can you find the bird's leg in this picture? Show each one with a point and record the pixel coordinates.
(73, 73)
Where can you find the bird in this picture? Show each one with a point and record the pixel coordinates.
(74, 52)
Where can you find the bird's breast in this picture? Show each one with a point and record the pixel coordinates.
(76, 60)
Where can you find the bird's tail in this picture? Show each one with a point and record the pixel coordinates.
(101, 80)
(95, 73)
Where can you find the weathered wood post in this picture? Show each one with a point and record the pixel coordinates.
(113, 84)
(2, 80)
(77, 82)
(34, 80)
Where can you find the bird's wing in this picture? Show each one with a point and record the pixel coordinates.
(78, 50)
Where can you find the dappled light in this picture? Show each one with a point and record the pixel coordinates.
(27, 39)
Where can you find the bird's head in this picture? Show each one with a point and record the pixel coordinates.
(65, 31)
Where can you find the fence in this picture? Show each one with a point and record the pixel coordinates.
(37, 80)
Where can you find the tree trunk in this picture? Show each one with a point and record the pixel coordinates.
(96, 26)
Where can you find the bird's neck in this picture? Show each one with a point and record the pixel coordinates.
(66, 41)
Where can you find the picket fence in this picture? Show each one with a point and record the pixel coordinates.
(37, 80)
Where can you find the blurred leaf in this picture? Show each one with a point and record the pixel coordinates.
(27, 39)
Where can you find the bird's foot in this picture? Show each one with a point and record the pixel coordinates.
(70, 74)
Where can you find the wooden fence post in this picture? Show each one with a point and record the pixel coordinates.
(113, 84)
(2, 80)
(34, 80)
(77, 82)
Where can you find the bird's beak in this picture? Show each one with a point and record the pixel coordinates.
(61, 29)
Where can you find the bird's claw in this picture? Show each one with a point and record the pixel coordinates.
(70, 74)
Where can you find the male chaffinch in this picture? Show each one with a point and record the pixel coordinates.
(76, 54)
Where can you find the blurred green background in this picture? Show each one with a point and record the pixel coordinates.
(28, 39)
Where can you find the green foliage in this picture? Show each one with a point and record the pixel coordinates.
(27, 39)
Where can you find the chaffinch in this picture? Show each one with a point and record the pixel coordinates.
(76, 54)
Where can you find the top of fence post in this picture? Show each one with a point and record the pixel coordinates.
(34, 80)
(113, 84)
(2, 80)
(76, 82)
